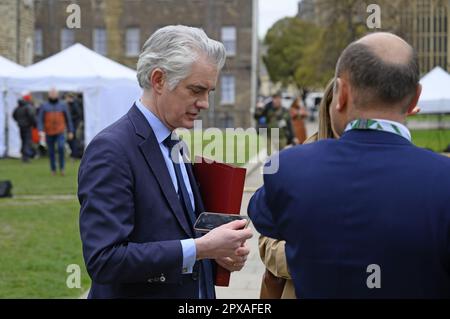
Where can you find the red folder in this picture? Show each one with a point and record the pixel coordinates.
(221, 187)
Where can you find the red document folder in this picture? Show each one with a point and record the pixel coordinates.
(221, 186)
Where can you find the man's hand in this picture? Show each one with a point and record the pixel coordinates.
(41, 137)
(70, 136)
(237, 262)
(224, 241)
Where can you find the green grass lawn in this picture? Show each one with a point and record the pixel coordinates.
(226, 146)
(436, 140)
(34, 178)
(39, 234)
(429, 117)
(38, 240)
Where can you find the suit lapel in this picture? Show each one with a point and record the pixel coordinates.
(152, 153)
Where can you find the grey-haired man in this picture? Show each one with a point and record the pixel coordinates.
(137, 204)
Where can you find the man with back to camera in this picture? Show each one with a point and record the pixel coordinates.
(369, 216)
(137, 204)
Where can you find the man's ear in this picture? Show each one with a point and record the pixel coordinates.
(342, 94)
(157, 80)
(415, 100)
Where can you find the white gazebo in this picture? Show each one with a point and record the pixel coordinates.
(7, 70)
(435, 97)
(109, 88)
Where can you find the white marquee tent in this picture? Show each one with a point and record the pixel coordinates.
(109, 88)
(435, 97)
(7, 69)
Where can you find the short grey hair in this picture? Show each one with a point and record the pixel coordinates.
(174, 49)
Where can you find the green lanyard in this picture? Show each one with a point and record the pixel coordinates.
(379, 125)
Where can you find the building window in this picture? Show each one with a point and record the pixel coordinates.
(133, 42)
(67, 38)
(100, 41)
(229, 40)
(38, 45)
(228, 89)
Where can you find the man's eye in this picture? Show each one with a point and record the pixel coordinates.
(195, 91)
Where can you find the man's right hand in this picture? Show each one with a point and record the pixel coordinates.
(223, 241)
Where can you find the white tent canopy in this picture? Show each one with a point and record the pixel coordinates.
(7, 70)
(109, 88)
(435, 97)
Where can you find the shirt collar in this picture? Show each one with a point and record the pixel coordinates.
(161, 131)
(379, 125)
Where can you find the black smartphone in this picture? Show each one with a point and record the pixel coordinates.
(208, 221)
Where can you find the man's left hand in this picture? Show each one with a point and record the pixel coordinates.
(70, 136)
(237, 262)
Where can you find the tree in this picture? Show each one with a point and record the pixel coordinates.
(319, 62)
(305, 53)
(287, 41)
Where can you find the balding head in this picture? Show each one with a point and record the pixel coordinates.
(53, 93)
(388, 47)
(382, 70)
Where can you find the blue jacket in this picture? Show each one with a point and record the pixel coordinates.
(131, 220)
(369, 198)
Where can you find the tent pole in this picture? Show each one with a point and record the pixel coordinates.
(6, 124)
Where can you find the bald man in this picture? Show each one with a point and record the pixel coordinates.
(366, 215)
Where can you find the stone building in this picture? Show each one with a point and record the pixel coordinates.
(426, 26)
(423, 23)
(16, 30)
(119, 28)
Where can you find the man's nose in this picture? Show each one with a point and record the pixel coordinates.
(202, 103)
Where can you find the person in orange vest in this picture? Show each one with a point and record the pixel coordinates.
(54, 119)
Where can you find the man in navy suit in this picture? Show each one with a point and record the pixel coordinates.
(366, 215)
(139, 199)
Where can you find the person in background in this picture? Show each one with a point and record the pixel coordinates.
(278, 118)
(25, 117)
(259, 116)
(53, 120)
(76, 114)
(298, 114)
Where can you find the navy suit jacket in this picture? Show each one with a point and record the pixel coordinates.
(131, 220)
(369, 198)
